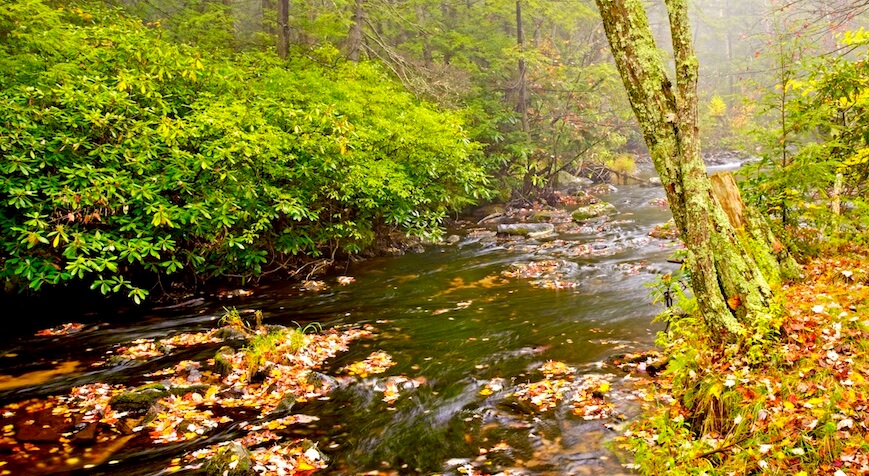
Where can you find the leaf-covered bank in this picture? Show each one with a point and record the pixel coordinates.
(130, 161)
(793, 404)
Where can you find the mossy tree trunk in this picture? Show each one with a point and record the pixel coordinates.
(732, 292)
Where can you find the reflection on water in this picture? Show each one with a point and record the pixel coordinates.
(449, 319)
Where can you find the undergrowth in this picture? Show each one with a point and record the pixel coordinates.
(792, 399)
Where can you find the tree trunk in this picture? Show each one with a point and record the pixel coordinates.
(283, 28)
(354, 39)
(522, 103)
(732, 293)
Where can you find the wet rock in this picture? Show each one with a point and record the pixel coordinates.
(86, 435)
(530, 230)
(223, 360)
(42, 430)
(275, 328)
(321, 380)
(119, 361)
(231, 460)
(544, 216)
(141, 399)
(655, 181)
(230, 333)
(189, 370)
(453, 239)
(665, 231)
(491, 209)
(602, 189)
(286, 404)
(567, 180)
(594, 211)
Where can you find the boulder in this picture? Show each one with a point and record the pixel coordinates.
(567, 180)
(491, 209)
(542, 216)
(530, 230)
(594, 211)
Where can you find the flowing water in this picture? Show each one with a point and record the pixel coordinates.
(450, 320)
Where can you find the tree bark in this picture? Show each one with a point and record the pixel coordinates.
(354, 39)
(522, 103)
(732, 293)
(283, 28)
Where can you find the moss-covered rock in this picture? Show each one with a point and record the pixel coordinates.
(530, 230)
(140, 399)
(223, 360)
(594, 211)
(231, 460)
(665, 231)
(230, 333)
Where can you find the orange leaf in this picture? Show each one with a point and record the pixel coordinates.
(734, 302)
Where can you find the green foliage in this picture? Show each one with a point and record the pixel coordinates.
(127, 158)
(670, 288)
(814, 174)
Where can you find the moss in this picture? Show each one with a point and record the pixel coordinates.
(231, 460)
(141, 398)
(594, 211)
(222, 360)
(184, 390)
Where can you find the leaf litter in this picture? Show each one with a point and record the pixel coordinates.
(796, 404)
(190, 401)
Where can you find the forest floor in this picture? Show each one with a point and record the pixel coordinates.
(795, 403)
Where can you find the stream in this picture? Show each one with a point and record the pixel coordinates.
(453, 323)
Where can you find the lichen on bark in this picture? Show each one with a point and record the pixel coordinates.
(732, 292)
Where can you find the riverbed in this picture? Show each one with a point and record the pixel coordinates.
(459, 322)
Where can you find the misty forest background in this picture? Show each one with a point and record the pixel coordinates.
(147, 143)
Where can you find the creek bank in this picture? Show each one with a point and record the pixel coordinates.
(451, 322)
(793, 403)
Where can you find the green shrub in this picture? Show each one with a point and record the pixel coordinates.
(127, 158)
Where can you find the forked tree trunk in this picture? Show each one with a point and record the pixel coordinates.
(732, 292)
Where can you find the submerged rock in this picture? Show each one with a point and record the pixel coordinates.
(602, 189)
(594, 211)
(231, 460)
(530, 230)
